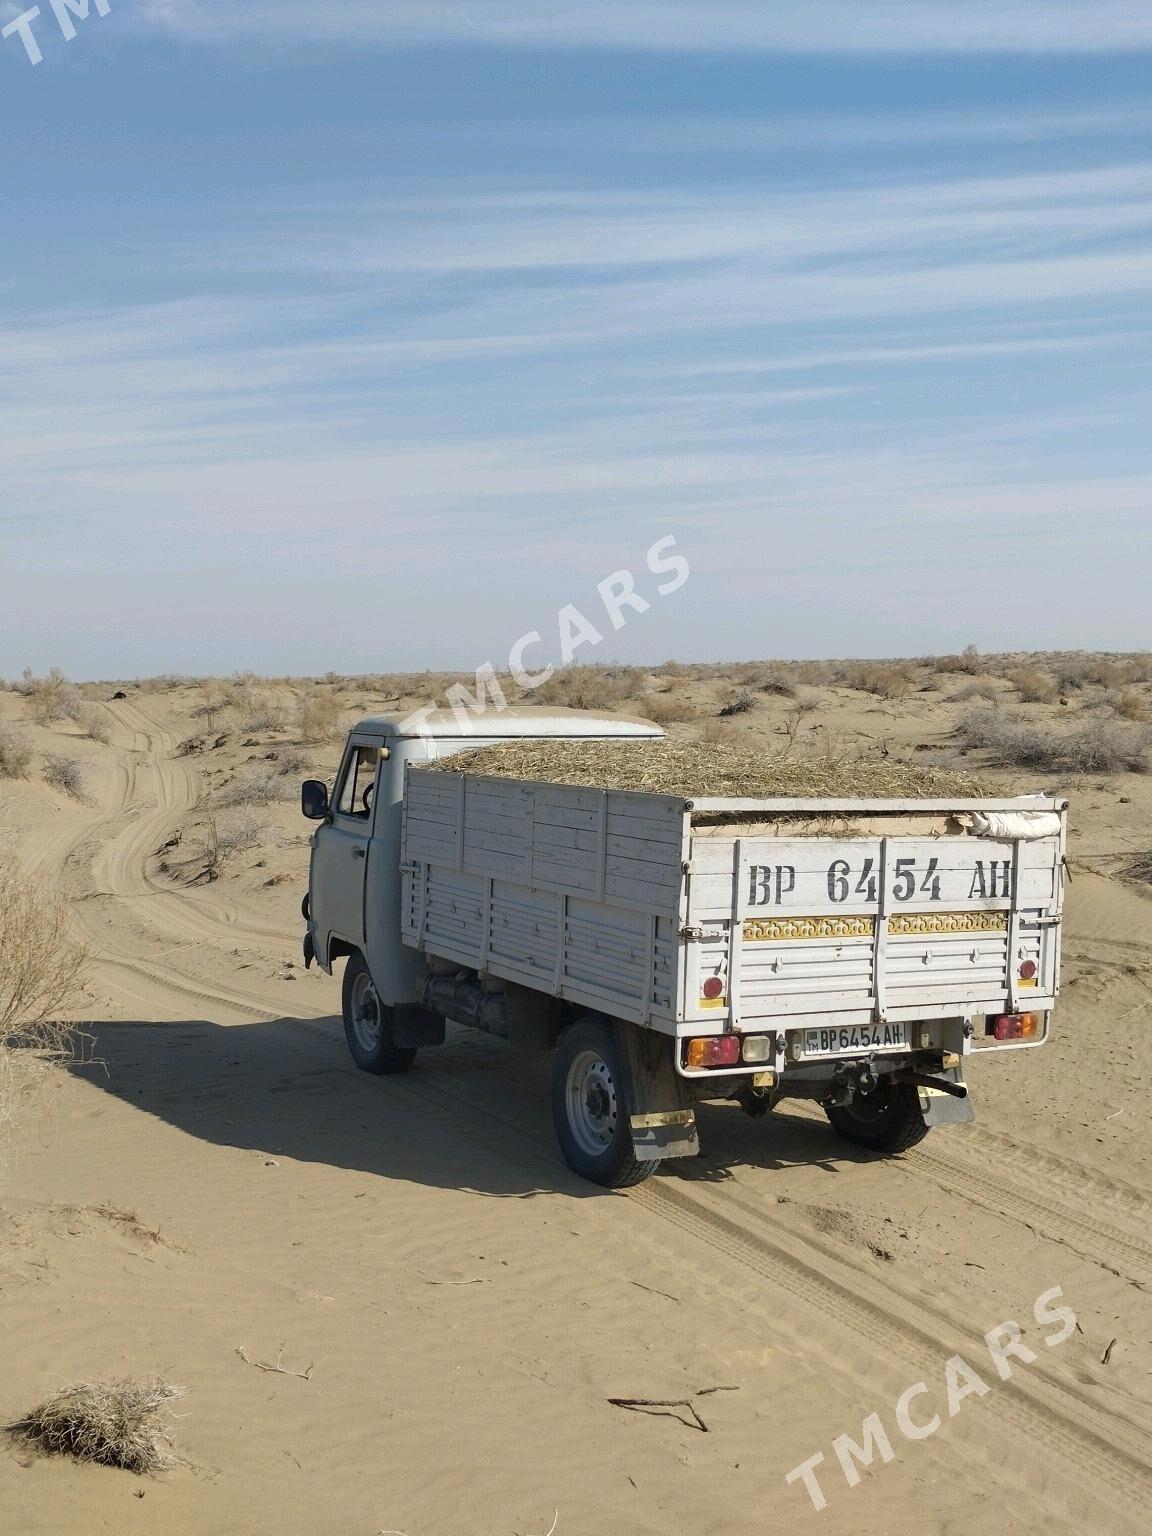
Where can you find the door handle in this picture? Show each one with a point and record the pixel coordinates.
(359, 853)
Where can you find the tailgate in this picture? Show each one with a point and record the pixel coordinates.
(884, 928)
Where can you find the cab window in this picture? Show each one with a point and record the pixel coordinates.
(359, 782)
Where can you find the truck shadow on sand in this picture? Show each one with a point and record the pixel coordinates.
(462, 1118)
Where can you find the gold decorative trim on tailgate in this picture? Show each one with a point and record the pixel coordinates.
(948, 922)
(763, 930)
(760, 929)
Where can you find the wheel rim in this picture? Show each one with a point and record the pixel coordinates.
(365, 1013)
(592, 1104)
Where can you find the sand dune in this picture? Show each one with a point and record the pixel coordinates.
(455, 1310)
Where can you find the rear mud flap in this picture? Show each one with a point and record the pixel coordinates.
(940, 1108)
(414, 1026)
(663, 1122)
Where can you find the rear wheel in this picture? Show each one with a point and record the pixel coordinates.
(368, 1023)
(888, 1120)
(591, 1107)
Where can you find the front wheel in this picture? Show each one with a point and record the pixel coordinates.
(368, 1023)
(888, 1120)
(591, 1107)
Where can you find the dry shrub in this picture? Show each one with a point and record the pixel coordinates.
(95, 723)
(1033, 686)
(1099, 748)
(49, 698)
(969, 661)
(1106, 748)
(261, 789)
(987, 691)
(264, 712)
(221, 844)
(588, 687)
(1140, 868)
(778, 685)
(320, 717)
(113, 1423)
(888, 682)
(741, 703)
(1130, 705)
(15, 753)
(40, 971)
(668, 709)
(64, 774)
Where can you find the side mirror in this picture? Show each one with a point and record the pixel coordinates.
(314, 799)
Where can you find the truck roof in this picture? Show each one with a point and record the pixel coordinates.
(505, 724)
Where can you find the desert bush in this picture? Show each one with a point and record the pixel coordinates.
(291, 764)
(739, 704)
(776, 684)
(1130, 705)
(668, 708)
(49, 698)
(888, 682)
(987, 691)
(95, 723)
(1099, 748)
(40, 971)
(319, 717)
(1032, 685)
(263, 712)
(260, 789)
(15, 753)
(589, 687)
(64, 774)
(968, 661)
(113, 1423)
(1010, 741)
(1106, 748)
(220, 844)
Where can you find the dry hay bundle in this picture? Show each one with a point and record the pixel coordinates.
(115, 1423)
(699, 770)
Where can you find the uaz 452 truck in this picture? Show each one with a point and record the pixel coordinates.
(666, 949)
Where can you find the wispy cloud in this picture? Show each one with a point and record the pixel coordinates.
(809, 26)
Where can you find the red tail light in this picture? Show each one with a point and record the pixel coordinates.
(1016, 1026)
(712, 1051)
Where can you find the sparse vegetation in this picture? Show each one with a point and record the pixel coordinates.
(120, 1423)
(1032, 685)
(65, 774)
(95, 723)
(320, 717)
(40, 970)
(888, 682)
(15, 753)
(49, 698)
(221, 844)
(969, 661)
(740, 704)
(260, 789)
(1011, 742)
(588, 687)
(1130, 705)
(668, 708)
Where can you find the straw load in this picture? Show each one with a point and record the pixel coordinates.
(697, 770)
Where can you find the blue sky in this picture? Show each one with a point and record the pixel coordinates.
(366, 336)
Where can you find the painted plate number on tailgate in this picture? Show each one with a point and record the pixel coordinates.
(845, 1039)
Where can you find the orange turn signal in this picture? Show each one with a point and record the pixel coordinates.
(712, 1051)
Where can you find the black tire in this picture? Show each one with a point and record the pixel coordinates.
(591, 1107)
(888, 1120)
(368, 1024)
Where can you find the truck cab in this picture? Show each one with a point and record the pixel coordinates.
(354, 885)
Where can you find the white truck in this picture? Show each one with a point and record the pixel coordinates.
(666, 950)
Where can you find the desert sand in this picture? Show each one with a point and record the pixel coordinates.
(215, 1189)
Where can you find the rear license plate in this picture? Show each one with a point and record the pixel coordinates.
(849, 1039)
